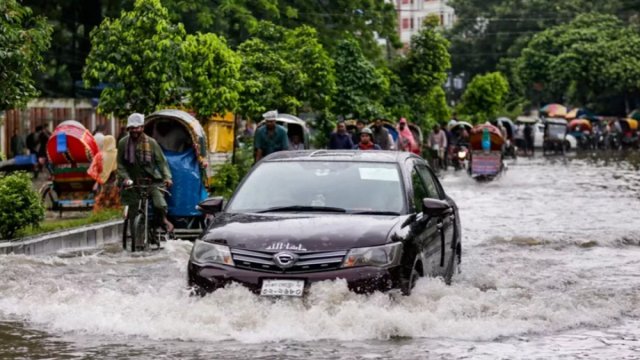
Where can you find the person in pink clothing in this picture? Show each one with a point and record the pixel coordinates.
(406, 141)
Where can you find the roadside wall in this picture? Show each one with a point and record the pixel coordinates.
(50, 113)
(91, 236)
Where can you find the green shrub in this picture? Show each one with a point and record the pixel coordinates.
(20, 205)
(225, 180)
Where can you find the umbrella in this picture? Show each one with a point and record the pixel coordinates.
(635, 114)
(463, 124)
(633, 123)
(581, 113)
(554, 110)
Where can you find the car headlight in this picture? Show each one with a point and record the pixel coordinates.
(382, 256)
(204, 252)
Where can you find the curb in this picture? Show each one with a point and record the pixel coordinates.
(89, 236)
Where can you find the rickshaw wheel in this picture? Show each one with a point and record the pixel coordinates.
(48, 196)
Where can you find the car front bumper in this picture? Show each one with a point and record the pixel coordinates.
(366, 279)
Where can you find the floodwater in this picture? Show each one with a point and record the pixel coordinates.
(551, 269)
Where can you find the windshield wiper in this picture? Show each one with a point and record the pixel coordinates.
(303, 208)
(374, 212)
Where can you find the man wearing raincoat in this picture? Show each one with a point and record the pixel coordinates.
(140, 159)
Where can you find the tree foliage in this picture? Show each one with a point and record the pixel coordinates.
(484, 98)
(139, 56)
(146, 62)
(487, 31)
(212, 74)
(582, 61)
(23, 38)
(20, 205)
(238, 20)
(285, 69)
(361, 87)
(419, 77)
(428, 59)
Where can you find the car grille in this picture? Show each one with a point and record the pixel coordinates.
(307, 261)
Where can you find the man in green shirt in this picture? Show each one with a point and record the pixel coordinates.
(140, 160)
(270, 137)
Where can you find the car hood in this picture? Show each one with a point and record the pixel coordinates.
(301, 232)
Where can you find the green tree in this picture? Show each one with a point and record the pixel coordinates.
(286, 70)
(23, 37)
(583, 62)
(488, 31)
(437, 109)
(422, 73)
(212, 73)
(428, 59)
(139, 55)
(238, 20)
(484, 98)
(361, 87)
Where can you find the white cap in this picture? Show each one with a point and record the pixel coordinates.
(135, 120)
(270, 115)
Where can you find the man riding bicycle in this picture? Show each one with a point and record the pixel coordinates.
(141, 161)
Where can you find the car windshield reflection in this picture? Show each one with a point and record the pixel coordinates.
(313, 186)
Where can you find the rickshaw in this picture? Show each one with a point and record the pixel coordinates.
(509, 148)
(485, 142)
(555, 132)
(70, 150)
(184, 144)
(629, 133)
(581, 130)
(295, 127)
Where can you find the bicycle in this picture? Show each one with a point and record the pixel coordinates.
(142, 235)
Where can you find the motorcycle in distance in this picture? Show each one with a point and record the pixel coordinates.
(459, 156)
(459, 151)
(581, 130)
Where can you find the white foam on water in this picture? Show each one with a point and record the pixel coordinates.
(529, 271)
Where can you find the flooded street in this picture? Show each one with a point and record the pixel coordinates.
(550, 269)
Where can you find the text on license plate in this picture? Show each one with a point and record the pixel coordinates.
(282, 287)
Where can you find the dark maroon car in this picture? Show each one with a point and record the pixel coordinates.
(378, 219)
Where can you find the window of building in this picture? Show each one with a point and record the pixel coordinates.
(412, 25)
(405, 23)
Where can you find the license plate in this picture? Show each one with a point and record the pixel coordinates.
(282, 288)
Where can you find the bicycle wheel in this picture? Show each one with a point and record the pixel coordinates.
(140, 238)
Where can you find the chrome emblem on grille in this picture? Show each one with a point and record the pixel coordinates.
(285, 259)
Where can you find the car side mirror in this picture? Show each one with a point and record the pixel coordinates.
(211, 205)
(436, 208)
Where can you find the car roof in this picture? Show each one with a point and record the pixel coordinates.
(381, 156)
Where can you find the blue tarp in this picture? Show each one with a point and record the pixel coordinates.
(187, 190)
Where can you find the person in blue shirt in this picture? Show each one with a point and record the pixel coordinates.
(340, 139)
(271, 137)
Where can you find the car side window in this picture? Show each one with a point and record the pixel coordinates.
(419, 190)
(434, 191)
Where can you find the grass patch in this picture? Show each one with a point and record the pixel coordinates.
(51, 225)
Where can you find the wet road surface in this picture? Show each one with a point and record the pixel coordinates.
(551, 269)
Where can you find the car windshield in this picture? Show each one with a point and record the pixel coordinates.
(351, 187)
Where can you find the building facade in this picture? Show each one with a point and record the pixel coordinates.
(412, 13)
